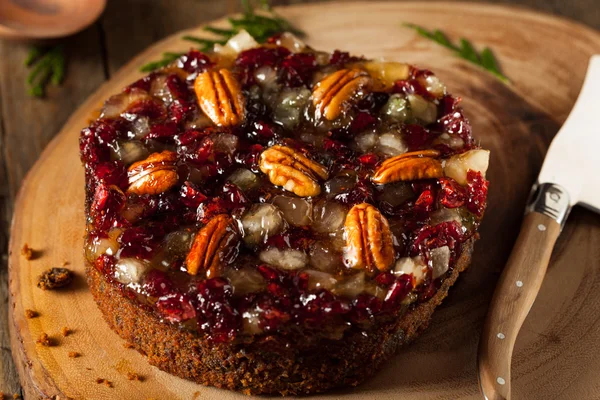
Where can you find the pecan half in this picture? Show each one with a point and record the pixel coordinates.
(210, 246)
(289, 168)
(220, 97)
(368, 239)
(409, 166)
(333, 94)
(156, 174)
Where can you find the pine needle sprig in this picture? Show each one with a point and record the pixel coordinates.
(47, 67)
(465, 50)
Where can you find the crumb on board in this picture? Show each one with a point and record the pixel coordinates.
(27, 252)
(106, 382)
(74, 354)
(65, 331)
(30, 314)
(45, 340)
(17, 396)
(55, 278)
(65, 263)
(132, 376)
(128, 345)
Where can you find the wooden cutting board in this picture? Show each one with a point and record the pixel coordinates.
(557, 354)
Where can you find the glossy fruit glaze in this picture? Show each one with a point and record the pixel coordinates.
(286, 266)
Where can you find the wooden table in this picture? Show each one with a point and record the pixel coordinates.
(126, 28)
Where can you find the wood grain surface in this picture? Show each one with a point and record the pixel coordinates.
(557, 354)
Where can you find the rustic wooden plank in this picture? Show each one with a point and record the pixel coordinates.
(27, 125)
(131, 26)
(9, 380)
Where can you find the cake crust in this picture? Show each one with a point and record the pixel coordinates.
(267, 366)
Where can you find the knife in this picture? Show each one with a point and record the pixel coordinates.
(567, 178)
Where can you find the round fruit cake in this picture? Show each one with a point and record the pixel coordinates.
(276, 219)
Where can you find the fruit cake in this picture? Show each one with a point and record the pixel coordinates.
(276, 219)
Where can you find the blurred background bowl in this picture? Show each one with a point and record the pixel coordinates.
(44, 19)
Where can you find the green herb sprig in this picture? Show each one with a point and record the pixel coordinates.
(260, 26)
(47, 67)
(465, 49)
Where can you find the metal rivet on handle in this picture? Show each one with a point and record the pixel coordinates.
(500, 380)
(500, 335)
(519, 284)
(541, 227)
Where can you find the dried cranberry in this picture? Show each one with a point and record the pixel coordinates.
(373, 102)
(385, 278)
(447, 105)
(456, 123)
(249, 60)
(298, 238)
(365, 307)
(430, 237)
(336, 148)
(180, 110)
(198, 152)
(452, 195)
(262, 132)
(108, 202)
(91, 151)
(369, 160)
(139, 241)
(362, 121)
(112, 173)
(233, 196)
(176, 307)
(162, 132)
(416, 136)
(252, 157)
(339, 58)
(273, 314)
(297, 69)
(425, 201)
(398, 292)
(157, 284)
(362, 192)
(477, 188)
(191, 196)
(270, 274)
(143, 84)
(105, 264)
(177, 87)
(411, 86)
(217, 315)
(209, 209)
(153, 109)
(194, 62)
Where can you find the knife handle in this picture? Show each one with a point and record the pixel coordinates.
(515, 293)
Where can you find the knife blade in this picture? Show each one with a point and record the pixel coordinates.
(568, 177)
(571, 161)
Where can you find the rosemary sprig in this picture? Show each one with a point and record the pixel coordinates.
(260, 26)
(48, 66)
(167, 58)
(465, 49)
